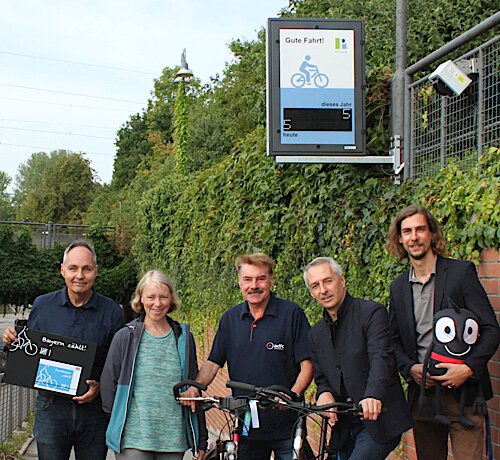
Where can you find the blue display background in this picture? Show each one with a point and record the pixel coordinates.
(314, 98)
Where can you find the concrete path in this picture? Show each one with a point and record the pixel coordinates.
(31, 453)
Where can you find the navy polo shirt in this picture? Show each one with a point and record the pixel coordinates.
(264, 352)
(96, 321)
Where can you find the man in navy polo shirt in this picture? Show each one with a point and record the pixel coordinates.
(76, 311)
(264, 342)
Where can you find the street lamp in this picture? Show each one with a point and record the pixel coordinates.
(184, 71)
(180, 115)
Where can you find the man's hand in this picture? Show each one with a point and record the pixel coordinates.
(456, 374)
(201, 454)
(417, 373)
(91, 393)
(9, 336)
(371, 408)
(327, 398)
(191, 392)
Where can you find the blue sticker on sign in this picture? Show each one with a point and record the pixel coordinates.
(57, 376)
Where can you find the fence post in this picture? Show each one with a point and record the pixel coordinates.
(480, 103)
(50, 234)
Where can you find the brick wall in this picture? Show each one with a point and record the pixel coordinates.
(489, 274)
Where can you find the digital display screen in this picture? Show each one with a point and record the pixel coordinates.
(317, 120)
(315, 82)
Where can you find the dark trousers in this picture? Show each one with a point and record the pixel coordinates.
(261, 449)
(431, 437)
(359, 445)
(61, 424)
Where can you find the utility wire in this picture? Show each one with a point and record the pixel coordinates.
(70, 94)
(57, 132)
(56, 123)
(64, 105)
(55, 148)
(77, 62)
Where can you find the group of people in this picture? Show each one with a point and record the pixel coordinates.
(357, 351)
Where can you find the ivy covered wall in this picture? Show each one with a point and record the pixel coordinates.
(193, 227)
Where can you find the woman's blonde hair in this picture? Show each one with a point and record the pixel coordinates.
(154, 276)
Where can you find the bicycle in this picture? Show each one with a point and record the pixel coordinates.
(274, 395)
(319, 79)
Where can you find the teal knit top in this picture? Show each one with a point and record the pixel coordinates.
(154, 420)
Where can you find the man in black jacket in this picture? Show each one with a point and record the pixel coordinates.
(415, 296)
(353, 358)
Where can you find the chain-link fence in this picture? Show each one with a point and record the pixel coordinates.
(15, 405)
(456, 128)
(46, 234)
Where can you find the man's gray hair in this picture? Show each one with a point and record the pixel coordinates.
(323, 260)
(76, 244)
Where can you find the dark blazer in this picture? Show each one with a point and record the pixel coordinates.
(456, 279)
(360, 351)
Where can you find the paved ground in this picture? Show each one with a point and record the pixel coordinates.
(31, 453)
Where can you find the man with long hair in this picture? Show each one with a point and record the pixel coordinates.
(415, 296)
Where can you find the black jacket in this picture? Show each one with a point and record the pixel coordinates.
(360, 351)
(456, 279)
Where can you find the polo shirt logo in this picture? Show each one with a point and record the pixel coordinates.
(275, 346)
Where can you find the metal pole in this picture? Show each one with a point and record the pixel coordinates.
(482, 27)
(408, 129)
(398, 82)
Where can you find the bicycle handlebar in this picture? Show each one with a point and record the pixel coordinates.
(269, 394)
(187, 382)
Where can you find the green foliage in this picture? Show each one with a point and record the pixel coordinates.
(117, 276)
(7, 211)
(28, 272)
(443, 21)
(132, 142)
(63, 189)
(30, 174)
(195, 226)
(181, 133)
(9, 449)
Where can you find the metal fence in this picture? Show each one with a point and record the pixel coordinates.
(46, 234)
(16, 403)
(456, 128)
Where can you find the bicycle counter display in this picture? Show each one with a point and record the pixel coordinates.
(316, 87)
(49, 362)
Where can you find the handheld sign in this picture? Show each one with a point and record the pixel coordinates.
(49, 362)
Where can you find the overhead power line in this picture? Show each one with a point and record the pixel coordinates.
(64, 105)
(70, 94)
(56, 123)
(66, 61)
(55, 148)
(57, 132)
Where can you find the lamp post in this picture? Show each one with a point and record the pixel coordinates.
(180, 114)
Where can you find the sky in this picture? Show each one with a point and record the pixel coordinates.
(72, 72)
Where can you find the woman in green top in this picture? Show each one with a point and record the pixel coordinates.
(146, 359)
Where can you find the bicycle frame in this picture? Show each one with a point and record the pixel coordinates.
(236, 406)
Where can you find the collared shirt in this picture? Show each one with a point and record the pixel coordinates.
(264, 351)
(423, 307)
(96, 321)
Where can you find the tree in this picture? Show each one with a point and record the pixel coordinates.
(6, 209)
(30, 174)
(67, 189)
